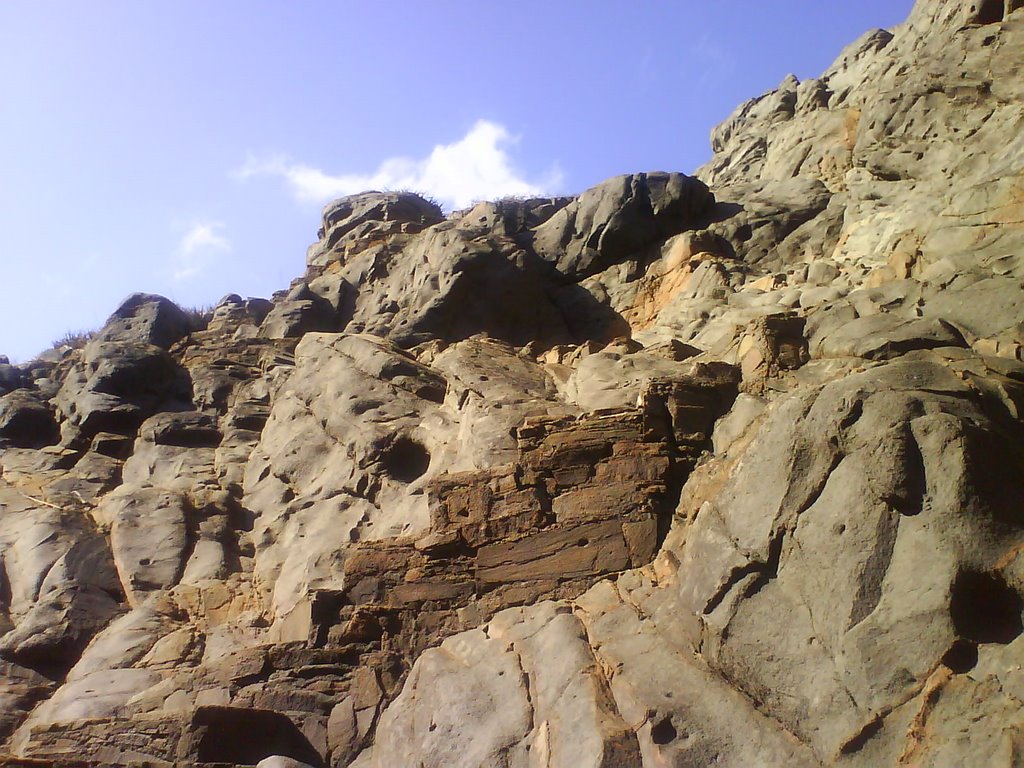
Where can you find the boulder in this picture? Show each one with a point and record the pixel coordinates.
(26, 421)
(11, 377)
(117, 385)
(449, 283)
(352, 222)
(300, 312)
(145, 318)
(618, 219)
(148, 538)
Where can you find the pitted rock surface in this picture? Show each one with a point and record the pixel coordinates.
(721, 469)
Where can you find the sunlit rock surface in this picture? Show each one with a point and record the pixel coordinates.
(683, 471)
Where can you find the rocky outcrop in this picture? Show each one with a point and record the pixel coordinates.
(684, 470)
(147, 319)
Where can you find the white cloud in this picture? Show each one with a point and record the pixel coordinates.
(201, 243)
(710, 63)
(476, 167)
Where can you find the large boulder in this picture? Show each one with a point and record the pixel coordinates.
(620, 218)
(299, 312)
(26, 421)
(11, 377)
(145, 318)
(447, 283)
(352, 222)
(117, 385)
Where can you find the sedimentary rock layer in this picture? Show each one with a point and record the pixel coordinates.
(721, 469)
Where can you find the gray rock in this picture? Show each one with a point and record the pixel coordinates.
(233, 311)
(148, 539)
(11, 378)
(296, 534)
(116, 386)
(145, 318)
(26, 421)
(511, 217)
(619, 218)
(351, 222)
(448, 283)
(884, 336)
(300, 312)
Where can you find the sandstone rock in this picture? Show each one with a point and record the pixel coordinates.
(146, 319)
(148, 537)
(77, 598)
(485, 489)
(20, 690)
(233, 311)
(351, 222)
(300, 312)
(116, 385)
(448, 284)
(618, 218)
(882, 337)
(907, 471)
(11, 378)
(511, 217)
(26, 421)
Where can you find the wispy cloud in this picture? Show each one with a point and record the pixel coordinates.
(476, 167)
(711, 62)
(197, 247)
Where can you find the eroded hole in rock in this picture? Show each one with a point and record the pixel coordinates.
(985, 609)
(246, 736)
(961, 657)
(988, 12)
(405, 460)
(191, 438)
(662, 732)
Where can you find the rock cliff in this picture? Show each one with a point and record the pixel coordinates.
(683, 471)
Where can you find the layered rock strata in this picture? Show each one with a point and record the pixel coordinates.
(713, 470)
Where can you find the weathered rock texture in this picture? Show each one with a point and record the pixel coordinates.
(684, 471)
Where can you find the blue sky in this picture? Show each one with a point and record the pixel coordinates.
(186, 148)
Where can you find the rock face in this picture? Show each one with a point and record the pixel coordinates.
(684, 471)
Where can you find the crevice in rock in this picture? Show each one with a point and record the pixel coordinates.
(764, 572)
(605, 672)
(870, 579)
(770, 569)
(524, 676)
(5, 586)
(246, 736)
(862, 737)
(735, 577)
(911, 496)
(931, 690)
(985, 609)
(852, 416)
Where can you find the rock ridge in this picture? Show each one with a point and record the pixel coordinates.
(684, 470)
